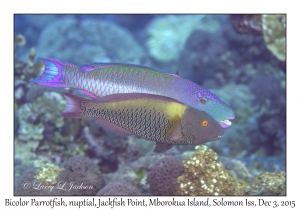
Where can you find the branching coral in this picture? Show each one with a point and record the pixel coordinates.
(41, 120)
(29, 69)
(168, 34)
(28, 129)
(204, 175)
(25, 151)
(34, 117)
(274, 31)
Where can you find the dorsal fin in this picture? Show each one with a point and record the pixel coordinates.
(95, 66)
(132, 96)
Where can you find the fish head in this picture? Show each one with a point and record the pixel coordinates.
(199, 127)
(215, 107)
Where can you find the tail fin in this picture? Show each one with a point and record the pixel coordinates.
(72, 109)
(52, 75)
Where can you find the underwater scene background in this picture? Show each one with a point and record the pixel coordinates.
(240, 58)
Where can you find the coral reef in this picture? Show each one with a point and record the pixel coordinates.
(48, 173)
(271, 100)
(204, 175)
(112, 150)
(20, 40)
(274, 31)
(274, 91)
(41, 121)
(168, 34)
(27, 177)
(118, 188)
(231, 55)
(245, 125)
(135, 172)
(25, 70)
(163, 174)
(97, 40)
(81, 169)
(247, 23)
(237, 168)
(25, 153)
(77, 176)
(34, 116)
(29, 131)
(268, 184)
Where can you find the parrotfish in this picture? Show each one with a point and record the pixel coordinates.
(101, 79)
(156, 118)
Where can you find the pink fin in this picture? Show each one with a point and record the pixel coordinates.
(72, 109)
(94, 66)
(132, 96)
(160, 147)
(114, 128)
(52, 74)
(175, 75)
(88, 94)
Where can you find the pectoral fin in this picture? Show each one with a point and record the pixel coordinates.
(173, 131)
(160, 147)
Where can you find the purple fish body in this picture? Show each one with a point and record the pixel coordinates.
(101, 79)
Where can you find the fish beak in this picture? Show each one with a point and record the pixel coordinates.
(216, 138)
(225, 123)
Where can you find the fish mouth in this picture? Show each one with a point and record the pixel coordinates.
(225, 123)
(215, 138)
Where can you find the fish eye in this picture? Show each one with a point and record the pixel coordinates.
(204, 123)
(203, 100)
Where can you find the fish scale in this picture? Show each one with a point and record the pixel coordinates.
(156, 118)
(136, 124)
(100, 79)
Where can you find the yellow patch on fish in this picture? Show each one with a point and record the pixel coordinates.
(172, 109)
(152, 117)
